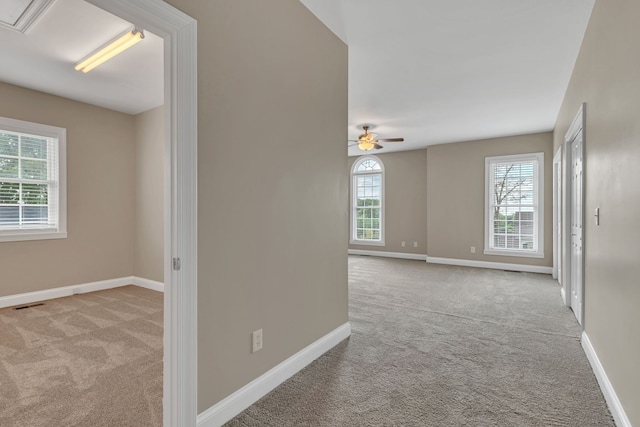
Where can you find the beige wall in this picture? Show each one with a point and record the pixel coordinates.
(437, 195)
(272, 186)
(100, 197)
(606, 78)
(149, 199)
(455, 188)
(405, 180)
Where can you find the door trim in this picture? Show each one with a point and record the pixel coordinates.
(557, 215)
(179, 32)
(578, 124)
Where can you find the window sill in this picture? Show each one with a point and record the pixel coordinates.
(18, 236)
(367, 242)
(520, 254)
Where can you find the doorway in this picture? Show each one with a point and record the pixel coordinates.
(180, 255)
(574, 215)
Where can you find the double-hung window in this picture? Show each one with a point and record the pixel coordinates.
(32, 181)
(367, 201)
(514, 205)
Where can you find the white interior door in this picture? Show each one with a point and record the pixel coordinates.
(577, 232)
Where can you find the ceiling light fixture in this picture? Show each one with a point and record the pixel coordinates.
(365, 144)
(111, 49)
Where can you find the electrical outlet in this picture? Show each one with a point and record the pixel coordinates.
(256, 341)
(402, 244)
(415, 244)
(473, 249)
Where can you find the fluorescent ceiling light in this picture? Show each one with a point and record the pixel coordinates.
(113, 48)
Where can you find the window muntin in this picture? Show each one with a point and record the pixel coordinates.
(32, 185)
(514, 214)
(367, 203)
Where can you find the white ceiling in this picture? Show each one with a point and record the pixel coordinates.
(438, 71)
(431, 71)
(44, 57)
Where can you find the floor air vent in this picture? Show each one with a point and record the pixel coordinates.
(29, 306)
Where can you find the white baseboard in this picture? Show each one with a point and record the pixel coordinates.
(65, 291)
(237, 402)
(402, 255)
(609, 393)
(492, 265)
(148, 284)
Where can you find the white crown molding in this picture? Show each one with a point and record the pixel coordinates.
(606, 387)
(491, 265)
(237, 402)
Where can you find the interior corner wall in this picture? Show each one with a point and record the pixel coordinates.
(405, 214)
(149, 195)
(100, 197)
(272, 186)
(605, 76)
(456, 196)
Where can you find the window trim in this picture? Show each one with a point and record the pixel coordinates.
(539, 190)
(60, 232)
(354, 196)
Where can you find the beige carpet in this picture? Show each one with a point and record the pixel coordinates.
(444, 346)
(92, 359)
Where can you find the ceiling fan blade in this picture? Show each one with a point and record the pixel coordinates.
(352, 145)
(391, 140)
(377, 146)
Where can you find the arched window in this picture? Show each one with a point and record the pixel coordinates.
(367, 201)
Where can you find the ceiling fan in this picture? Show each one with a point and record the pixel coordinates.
(368, 141)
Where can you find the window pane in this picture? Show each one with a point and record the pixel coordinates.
(9, 193)
(34, 169)
(8, 144)
(35, 214)
(9, 215)
(34, 194)
(33, 147)
(8, 168)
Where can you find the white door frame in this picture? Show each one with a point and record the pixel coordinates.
(180, 115)
(557, 217)
(578, 124)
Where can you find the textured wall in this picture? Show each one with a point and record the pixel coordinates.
(606, 78)
(100, 197)
(272, 186)
(149, 187)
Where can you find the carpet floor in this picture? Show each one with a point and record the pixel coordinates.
(436, 345)
(91, 359)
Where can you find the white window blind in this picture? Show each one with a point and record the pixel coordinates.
(31, 185)
(514, 200)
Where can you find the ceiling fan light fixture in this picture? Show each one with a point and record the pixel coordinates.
(365, 144)
(111, 49)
